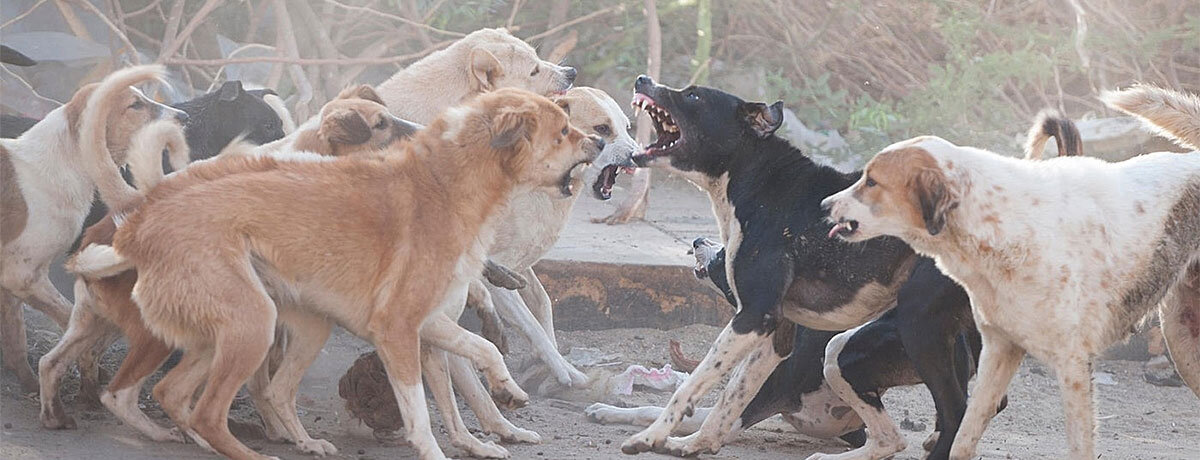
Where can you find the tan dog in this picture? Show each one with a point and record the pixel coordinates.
(47, 180)
(318, 240)
(103, 305)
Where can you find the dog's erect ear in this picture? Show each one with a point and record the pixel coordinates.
(761, 118)
(935, 199)
(364, 92)
(513, 125)
(485, 70)
(345, 126)
(230, 91)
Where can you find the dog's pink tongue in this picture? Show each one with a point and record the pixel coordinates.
(837, 228)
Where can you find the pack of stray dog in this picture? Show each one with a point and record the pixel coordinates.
(241, 238)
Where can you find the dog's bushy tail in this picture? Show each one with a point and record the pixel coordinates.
(93, 136)
(145, 152)
(1050, 123)
(98, 261)
(1172, 114)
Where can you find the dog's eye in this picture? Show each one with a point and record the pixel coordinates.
(137, 104)
(536, 69)
(693, 96)
(566, 129)
(382, 124)
(871, 182)
(603, 130)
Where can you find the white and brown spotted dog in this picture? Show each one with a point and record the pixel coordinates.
(48, 177)
(1061, 257)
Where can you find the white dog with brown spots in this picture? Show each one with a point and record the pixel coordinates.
(1061, 257)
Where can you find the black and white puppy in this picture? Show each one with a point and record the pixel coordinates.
(783, 269)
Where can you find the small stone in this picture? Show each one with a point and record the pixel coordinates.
(362, 451)
(910, 425)
(8, 426)
(541, 454)
(608, 441)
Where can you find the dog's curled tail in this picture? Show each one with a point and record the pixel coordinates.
(1049, 123)
(93, 136)
(145, 152)
(1173, 114)
(98, 261)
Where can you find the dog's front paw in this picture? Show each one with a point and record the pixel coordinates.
(509, 396)
(600, 413)
(646, 441)
(318, 447)
(688, 446)
(54, 417)
(516, 435)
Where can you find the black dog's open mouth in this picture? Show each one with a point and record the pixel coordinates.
(669, 135)
(844, 228)
(604, 184)
(568, 179)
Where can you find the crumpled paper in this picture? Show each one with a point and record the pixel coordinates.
(664, 379)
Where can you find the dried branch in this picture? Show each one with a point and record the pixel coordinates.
(172, 46)
(113, 27)
(26, 13)
(371, 11)
(300, 61)
(587, 17)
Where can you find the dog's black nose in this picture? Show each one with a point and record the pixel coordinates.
(570, 73)
(181, 116)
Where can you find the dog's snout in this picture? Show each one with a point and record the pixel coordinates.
(643, 82)
(569, 73)
(599, 142)
(698, 242)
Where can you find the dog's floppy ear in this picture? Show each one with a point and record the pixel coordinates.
(564, 104)
(345, 126)
(230, 91)
(761, 118)
(364, 92)
(513, 125)
(935, 199)
(485, 70)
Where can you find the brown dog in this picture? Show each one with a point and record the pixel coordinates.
(378, 245)
(103, 306)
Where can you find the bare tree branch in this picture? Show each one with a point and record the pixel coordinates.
(363, 9)
(587, 17)
(170, 47)
(26, 13)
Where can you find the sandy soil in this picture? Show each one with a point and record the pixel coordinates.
(1138, 420)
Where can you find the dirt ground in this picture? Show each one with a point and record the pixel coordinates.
(1138, 420)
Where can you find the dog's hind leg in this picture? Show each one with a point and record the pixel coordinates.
(13, 341)
(512, 309)
(1180, 315)
(997, 364)
(859, 364)
(43, 296)
(239, 350)
(175, 391)
(146, 354)
(84, 331)
(437, 377)
(1075, 382)
(490, 419)
(307, 334)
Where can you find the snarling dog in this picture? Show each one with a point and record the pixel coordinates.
(287, 231)
(1061, 258)
(46, 187)
(534, 221)
(783, 270)
(104, 307)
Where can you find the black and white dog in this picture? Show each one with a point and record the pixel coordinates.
(783, 270)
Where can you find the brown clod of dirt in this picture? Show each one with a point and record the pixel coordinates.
(368, 394)
(680, 362)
